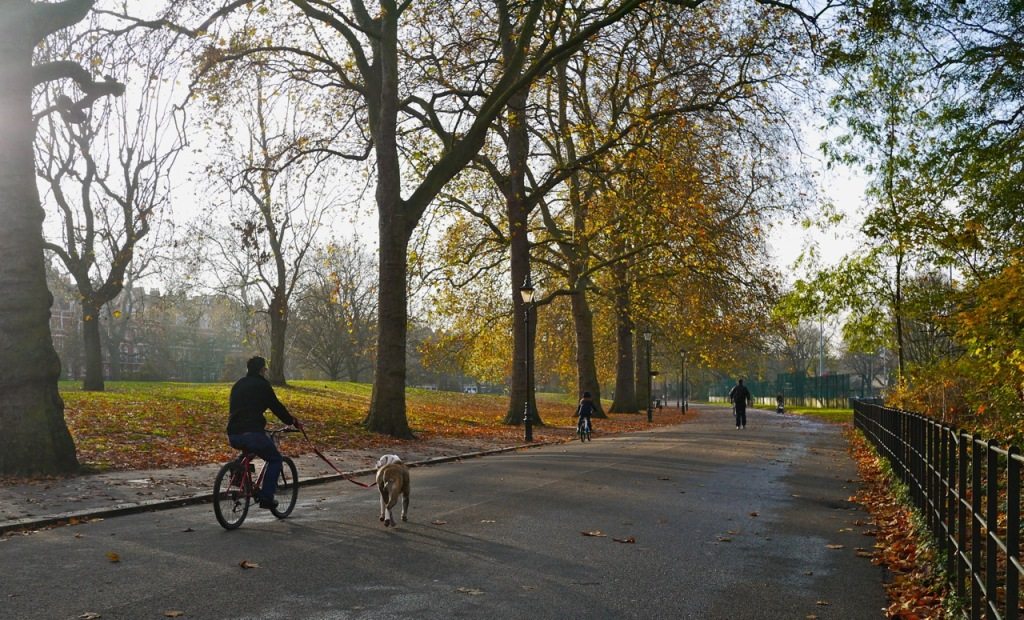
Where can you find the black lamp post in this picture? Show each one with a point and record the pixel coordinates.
(526, 291)
(647, 339)
(683, 404)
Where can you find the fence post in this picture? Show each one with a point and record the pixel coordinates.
(949, 459)
(991, 527)
(934, 482)
(1012, 532)
(961, 505)
(976, 542)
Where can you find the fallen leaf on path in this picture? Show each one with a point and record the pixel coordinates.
(628, 540)
(663, 478)
(470, 591)
(113, 557)
(487, 521)
(834, 546)
(753, 514)
(597, 533)
(188, 529)
(89, 615)
(247, 564)
(823, 603)
(174, 613)
(439, 522)
(724, 539)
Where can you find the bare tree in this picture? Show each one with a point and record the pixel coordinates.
(336, 315)
(106, 177)
(276, 199)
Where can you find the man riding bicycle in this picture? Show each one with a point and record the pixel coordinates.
(251, 396)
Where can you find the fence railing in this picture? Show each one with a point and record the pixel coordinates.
(968, 490)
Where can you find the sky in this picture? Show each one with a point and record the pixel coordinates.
(789, 239)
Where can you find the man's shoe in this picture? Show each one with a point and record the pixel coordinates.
(268, 503)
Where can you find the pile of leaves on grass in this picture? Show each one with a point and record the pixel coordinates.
(140, 425)
(917, 589)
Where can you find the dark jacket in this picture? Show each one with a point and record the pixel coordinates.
(741, 396)
(250, 397)
(586, 408)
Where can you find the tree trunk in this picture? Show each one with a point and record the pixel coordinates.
(523, 395)
(578, 256)
(278, 329)
(897, 304)
(586, 367)
(114, 356)
(93, 345)
(35, 438)
(625, 400)
(387, 403)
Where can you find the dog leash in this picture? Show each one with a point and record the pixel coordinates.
(332, 465)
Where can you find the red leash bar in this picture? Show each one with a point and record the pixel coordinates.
(333, 466)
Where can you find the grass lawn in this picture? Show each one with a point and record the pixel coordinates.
(151, 425)
(837, 416)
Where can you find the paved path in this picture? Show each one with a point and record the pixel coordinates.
(726, 523)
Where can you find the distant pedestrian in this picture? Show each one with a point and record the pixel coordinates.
(739, 396)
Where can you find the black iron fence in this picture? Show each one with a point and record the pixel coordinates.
(968, 490)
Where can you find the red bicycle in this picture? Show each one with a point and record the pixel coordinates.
(236, 486)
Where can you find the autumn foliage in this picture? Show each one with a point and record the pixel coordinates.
(916, 590)
(136, 425)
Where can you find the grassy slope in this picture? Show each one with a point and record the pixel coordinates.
(142, 425)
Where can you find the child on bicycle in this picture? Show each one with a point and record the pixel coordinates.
(584, 411)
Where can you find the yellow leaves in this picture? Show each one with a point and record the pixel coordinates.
(113, 557)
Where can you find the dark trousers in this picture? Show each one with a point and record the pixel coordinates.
(741, 416)
(264, 447)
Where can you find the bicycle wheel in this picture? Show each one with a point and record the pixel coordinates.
(230, 496)
(287, 489)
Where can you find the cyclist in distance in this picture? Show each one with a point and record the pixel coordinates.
(585, 410)
(251, 396)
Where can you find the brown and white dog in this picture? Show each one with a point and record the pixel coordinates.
(392, 481)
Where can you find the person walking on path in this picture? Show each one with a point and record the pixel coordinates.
(739, 396)
(251, 396)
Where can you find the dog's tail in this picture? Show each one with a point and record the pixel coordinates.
(385, 490)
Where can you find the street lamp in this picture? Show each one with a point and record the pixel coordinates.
(526, 291)
(683, 404)
(647, 339)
